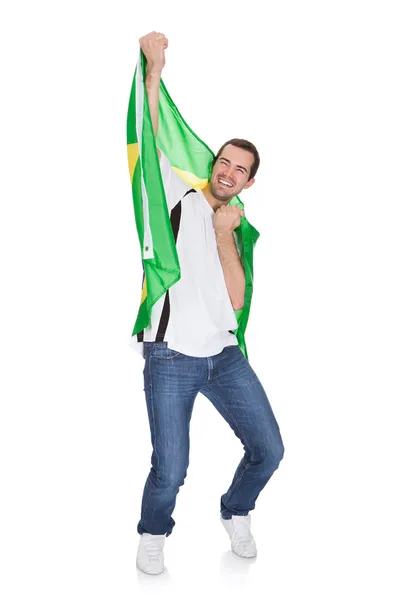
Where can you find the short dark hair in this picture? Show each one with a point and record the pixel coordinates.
(245, 145)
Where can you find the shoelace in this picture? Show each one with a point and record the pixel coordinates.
(153, 549)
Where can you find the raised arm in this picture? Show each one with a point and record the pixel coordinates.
(153, 46)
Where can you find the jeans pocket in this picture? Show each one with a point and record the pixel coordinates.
(161, 350)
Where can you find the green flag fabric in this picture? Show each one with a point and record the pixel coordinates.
(191, 159)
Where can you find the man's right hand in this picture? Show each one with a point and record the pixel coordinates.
(153, 46)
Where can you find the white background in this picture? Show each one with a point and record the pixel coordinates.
(315, 85)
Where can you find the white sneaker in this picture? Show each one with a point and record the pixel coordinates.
(242, 541)
(150, 555)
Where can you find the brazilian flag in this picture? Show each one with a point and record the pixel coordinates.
(191, 158)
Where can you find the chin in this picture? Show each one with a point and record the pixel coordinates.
(218, 196)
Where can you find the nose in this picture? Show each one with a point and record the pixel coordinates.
(230, 170)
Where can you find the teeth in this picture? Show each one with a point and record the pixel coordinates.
(225, 182)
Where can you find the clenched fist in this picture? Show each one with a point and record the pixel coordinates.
(227, 218)
(153, 46)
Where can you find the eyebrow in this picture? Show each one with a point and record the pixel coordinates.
(227, 160)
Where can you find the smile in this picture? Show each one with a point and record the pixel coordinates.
(225, 183)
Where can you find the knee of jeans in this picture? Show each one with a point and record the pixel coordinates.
(172, 476)
(276, 448)
(269, 454)
(279, 451)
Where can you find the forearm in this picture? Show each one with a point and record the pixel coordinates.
(152, 84)
(232, 268)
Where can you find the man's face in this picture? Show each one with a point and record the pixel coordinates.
(230, 174)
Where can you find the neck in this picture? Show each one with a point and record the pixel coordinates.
(212, 200)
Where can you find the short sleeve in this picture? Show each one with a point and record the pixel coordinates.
(174, 186)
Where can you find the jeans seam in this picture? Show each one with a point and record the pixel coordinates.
(154, 428)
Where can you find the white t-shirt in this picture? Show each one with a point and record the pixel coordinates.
(197, 317)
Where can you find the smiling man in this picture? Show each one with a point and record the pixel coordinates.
(190, 347)
(233, 170)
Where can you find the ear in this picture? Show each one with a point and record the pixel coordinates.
(249, 183)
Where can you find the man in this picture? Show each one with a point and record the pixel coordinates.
(189, 346)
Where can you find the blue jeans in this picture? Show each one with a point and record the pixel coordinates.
(172, 382)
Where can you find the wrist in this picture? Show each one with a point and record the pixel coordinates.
(152, 81)
(224, 235)
(154, 70)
